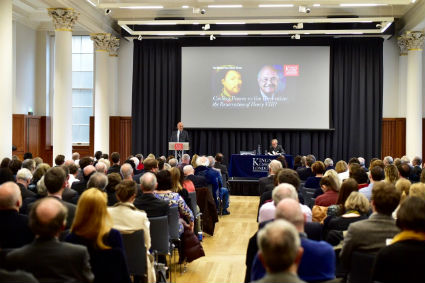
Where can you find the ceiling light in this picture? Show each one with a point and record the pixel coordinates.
(361, 5)
(225, 6)
(212, 37)
(91, 3)
(142, 7)
(275, 5)
(412, 1)
(185, 7)
(298, 26)
(316, 5)
(206, 27)
(230, 23)
(295, 36)
(387, 25)
(140, 37)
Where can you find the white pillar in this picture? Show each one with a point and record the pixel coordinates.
(64, 19)
(402, 79)
(415, 42)
(101, 92)
(113, 75)
(6, 55)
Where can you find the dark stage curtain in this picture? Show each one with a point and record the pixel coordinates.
(356, 89)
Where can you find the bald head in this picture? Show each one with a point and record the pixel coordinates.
(47, 217)
(88, 170)
(148, 182)
(101, 167)
(126, 171)
(290, 210)
(283, 191)
(10, 196)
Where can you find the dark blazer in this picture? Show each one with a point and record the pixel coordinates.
(114, 169)
(304, 173)
(71, 211)
(415, 174)
(80, 186)
(278, 149)
(17, 276)
(151, 205)
(266, 184)
(136, 178)
(184, 136)
(52, 261)
(70, 196)
(198, 181)
(223, 169)
(14, 230)
(25, 192)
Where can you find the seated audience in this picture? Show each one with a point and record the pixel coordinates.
(330, 193)
(14, 230)
(88, 170)
(404, 170)
(146, 200)
(318, 260)
(298, 162)
(403, 187)
(415, 173)
(115, 167)
(176, 185)
(356, 208)
(376, 174)
(59, 160)
(358, 173)
(98, 181)
(92, 229)
(318, 169)
(150, 165)
(73, 171)
(69, 194)
(417, 190)
(348, 186)
(101, 167)
(334, 175)
(48, 259)
(198, 181)
(127, 170)
(402, 260)
(127, 219)
(113, 180)
(164, 192)
(305, 172)
(329, 164)
(388, 160)
(219, 165)
(23, 179)
(370, 235)
(391, 174)
(342, 169)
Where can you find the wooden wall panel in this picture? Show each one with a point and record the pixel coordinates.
(120, 136)
(125, 134)
(393, 137)
(83, 150)
(34, 138)
(19, 134)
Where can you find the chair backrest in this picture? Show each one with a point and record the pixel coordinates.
(159, 234)
(361, 267)
(308, 194)
(135, 250)
(193, 203)
(173, 222)
(109, 265)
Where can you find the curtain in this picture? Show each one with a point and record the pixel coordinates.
(356, 90)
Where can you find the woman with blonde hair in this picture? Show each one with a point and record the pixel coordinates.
(176, 185)
(341, 167)
(391, 174)
(193, 161)
(402, 186)
(334, 175)
(92, 227)
(417, 190)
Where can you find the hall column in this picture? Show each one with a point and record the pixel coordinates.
(6, 78)
(415, 43)
(402, 78)
(64, 19)
(101, 92)
(113, 74)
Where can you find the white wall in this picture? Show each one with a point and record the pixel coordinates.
(25, 64)
(125, 77)
(391, 103)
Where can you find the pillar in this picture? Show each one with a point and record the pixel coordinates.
(402, 71)
(64, 19)
(6, 65)
(101, 91)
(113, 74)
(415, 43)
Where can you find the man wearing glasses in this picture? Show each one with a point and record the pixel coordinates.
(268, 80)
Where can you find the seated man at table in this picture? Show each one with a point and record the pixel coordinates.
(275, 148)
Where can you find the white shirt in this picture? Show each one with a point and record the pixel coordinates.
(178, 136)
(267, 212)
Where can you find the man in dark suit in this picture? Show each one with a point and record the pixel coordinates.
(219, 165)
(150, 165)
(115, 168)
(23, 179)
(48, 259)
(55, 181)
(81, 186)
(267, 183)
(305, 172)
(180, 135)
(275, 148)
(146, 201)
(14, 230)
(198, 181)
(415, 173)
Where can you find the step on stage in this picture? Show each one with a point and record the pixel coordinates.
(241, 186)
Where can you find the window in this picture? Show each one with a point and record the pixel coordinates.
(82, 88)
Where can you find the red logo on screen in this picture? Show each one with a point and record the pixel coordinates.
(178, 146)
(291, 70)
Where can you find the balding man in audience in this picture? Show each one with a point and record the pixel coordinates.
(267, 183)
(23, 179)
(14, 230)
(81, 186)
(98, 181)
(282, 191)
(173, 162)
(185, 161)
(48, 259)
(198, 181)
(146, 201)
(388, 160)
(101, 167)
(126, 171)
(280, 252)
(370, 235)
(318, 261)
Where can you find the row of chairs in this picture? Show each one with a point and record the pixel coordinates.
(308, 195)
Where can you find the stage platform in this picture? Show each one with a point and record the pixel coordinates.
(240, 186)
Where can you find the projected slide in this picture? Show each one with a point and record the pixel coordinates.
(255, 87)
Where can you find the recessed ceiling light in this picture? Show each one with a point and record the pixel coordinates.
(275, 5)
(142, 7)
(225, 6)
(361, 5)
(185, 7)
(316, 5)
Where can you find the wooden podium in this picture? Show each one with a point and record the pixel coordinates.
(179, 148)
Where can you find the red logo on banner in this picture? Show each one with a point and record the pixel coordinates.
(291, 70)
(178, 146)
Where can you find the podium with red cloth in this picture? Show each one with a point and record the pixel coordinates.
(179, 148)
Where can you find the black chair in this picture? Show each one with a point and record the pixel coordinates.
(308, 194)
(196, 213)
(361, 268)
(109, 266)
(173, 229)
(160, 244)
(313, 230)
(134, 245)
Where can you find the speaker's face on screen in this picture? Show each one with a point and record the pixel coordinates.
(232, 82)
(268, 80)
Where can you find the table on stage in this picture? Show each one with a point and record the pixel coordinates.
(245, 170)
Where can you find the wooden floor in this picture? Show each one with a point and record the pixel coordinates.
(225, 252)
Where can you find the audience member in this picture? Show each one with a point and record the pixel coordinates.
(305, 172)
(348, 186)
(417, 190)
(402, 260)
(98, 181)
(48, 259)
(115, 167)
(146, 201)
(97, 156)
(267, 183)
(127, 170)
(342, 169)
(358, 173)
(185, 161)
(15, 165)
(391, 174)
(76, 158)
(404, 170)
(330, 193)
(388, 160)
(415, 174)
(318, 169)
(73, 171)
(88, 170)
(198, 181)
(113, 180)
(23, 179)
(69, 194)
(219, 165)
(149, 165)
(59, 160)
(334, 175)
(370, 235)
(101, 167)
(376, 174)
(29, 164)
(14, 230)
(329, 164)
